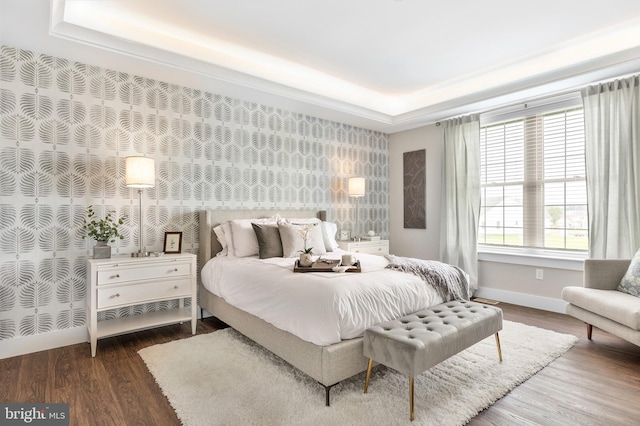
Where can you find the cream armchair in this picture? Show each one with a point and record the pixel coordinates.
(599, 304)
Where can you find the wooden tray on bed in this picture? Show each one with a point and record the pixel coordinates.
(324, 267)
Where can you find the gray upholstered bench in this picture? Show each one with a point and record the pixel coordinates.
(414, 343)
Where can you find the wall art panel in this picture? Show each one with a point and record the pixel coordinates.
(415, 189)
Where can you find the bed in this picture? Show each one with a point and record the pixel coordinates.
(328, 360)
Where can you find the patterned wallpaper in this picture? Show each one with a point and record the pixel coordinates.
(66, 128)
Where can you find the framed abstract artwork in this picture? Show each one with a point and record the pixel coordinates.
(414, 169)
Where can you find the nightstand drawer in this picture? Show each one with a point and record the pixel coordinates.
(132, 294)
(376, 248)
(379, 247)
(117, 274)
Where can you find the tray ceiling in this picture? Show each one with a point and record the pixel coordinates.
(397, 63)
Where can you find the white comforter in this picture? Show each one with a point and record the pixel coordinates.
(321, 308)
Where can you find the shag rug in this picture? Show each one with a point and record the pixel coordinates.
(223, 378)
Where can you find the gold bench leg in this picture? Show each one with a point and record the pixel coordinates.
(498, 345)
(411, 398)
(366, 382)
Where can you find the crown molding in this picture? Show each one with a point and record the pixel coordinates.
(388, 114)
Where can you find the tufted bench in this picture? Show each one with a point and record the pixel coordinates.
(414, 343)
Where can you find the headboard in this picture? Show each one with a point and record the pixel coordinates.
(210, 218)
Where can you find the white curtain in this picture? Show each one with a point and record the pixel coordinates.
(612, 113)
(460, 207)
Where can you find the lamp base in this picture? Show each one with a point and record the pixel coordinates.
(140, 254)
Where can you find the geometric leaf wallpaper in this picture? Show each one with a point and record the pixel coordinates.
(65, 130)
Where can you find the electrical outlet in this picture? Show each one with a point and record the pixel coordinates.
(539, 274)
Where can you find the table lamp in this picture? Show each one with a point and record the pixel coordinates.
(356, 190)
(140, 173)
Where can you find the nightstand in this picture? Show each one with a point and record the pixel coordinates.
(380, 247)
(124, 281)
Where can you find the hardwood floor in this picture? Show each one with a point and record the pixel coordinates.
(595, 383)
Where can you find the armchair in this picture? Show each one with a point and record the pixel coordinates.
(599, 304)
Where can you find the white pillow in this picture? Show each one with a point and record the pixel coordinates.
(225, 232)
(329, 231)
(293, 240)
(306, 220)
(226, 228)
(222, 240)
(244, 238)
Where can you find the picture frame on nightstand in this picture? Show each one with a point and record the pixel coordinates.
(172, 242)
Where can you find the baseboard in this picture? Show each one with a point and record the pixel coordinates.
(42, 342)
(522, 299)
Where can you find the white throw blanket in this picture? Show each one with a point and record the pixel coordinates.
(451, 282)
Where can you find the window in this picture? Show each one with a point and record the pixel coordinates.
(533, 187)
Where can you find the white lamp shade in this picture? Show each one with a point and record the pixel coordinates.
(140, 172)
(356, 187)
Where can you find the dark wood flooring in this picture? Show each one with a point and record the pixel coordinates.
(595, 383)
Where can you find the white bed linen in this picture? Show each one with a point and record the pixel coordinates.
(321, 308)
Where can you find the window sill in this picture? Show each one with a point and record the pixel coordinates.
(573, 261)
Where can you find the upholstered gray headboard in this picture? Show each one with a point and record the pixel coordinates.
(210, 218)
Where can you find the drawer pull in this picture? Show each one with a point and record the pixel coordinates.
(116, 276)
(115, 295)
(175, 269)
(176, 287)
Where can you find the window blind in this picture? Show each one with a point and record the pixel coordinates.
(533, 190)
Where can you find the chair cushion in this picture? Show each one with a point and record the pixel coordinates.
(615, 305)
(630, 283)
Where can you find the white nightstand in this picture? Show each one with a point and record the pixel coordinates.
(380, 247)
(126, 281)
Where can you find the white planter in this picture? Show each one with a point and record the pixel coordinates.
(306, 259)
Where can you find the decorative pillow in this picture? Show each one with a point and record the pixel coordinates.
(226, 230)
(292, 237)
(329, 231)
(307, 220)
(631, 281)
(269, 243)
(245, 242)
(222, 240)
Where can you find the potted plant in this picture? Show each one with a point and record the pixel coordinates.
(306, 253)
(103, 231)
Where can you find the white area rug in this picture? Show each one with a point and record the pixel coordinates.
(222, 378)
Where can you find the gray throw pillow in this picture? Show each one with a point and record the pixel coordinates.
(631, 281)
(269, 243)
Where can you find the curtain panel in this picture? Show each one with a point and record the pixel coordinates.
(460, 207)
(612, 114)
